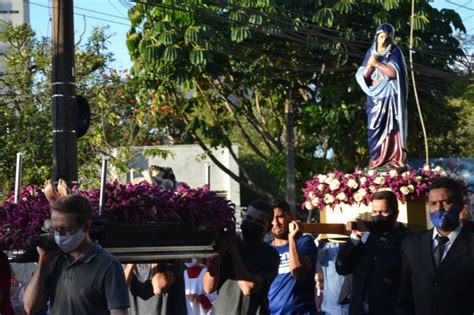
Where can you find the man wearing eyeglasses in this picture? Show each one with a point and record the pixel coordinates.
(438, 273)
(83, 278)
(374, 257)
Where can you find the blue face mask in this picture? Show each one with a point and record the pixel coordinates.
(68, 243)
(445, 220)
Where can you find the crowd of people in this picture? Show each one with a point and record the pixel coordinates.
(382, 268)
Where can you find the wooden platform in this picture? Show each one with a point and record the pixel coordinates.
(413, 214)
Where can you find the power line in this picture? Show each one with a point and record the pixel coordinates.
(298, 37)
(89, 16)
(461, 5)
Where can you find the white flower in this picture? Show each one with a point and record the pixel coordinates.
(341, 196)
(308, 205)
(404, 190)
(371, 172)
(347, 175)
(321, 187)
(373, 189)
(315, 201)
(393, 173)
(328, 198)
(332, 175)
(411, 188)
(334, 184)
(352, 183)
(362, 192)
(322, 178)
(443, 173)
(406, 174)
(328, 180)
(359, 172)
(438, 169)
(426, 168)
(358, 197)
(418, 178)
(311, 195)
(362, 180)
(379, 180)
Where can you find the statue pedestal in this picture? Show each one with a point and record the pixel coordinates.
(413, 214)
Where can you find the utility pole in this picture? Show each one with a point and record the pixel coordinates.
(63, 93)
(290, 157)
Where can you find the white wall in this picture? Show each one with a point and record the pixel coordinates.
(189, 165)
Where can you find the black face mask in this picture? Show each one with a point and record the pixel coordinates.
(251, 232)
(382, 225)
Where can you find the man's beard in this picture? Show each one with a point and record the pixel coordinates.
(281, 235)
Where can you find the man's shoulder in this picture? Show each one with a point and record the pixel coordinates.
(413, 239)
(306, 239)
(102, 257)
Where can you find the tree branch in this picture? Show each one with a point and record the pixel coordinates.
(239, 125)
(248, 183)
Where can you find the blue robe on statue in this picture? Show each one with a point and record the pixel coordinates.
(386, 108)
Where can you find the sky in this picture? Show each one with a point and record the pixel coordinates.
(113, 13)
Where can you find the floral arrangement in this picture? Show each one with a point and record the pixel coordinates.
(142, 203)
(22, 219)
(337, 187)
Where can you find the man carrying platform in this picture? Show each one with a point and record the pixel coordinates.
(292, 291)
(81, 279)
(438, 273)
(374, 257)
(245, 269)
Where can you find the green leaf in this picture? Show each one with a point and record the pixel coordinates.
(167, 38)
(191, 34)
(239, 34)
(256, 19)
(171, 53)
(197, 56)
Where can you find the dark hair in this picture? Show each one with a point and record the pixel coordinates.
(262, 206)
(163, 172)
(453, 186)
(390, 197)
(75, 204)
(281, 204)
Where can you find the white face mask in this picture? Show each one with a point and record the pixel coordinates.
(68, 243)
(192, 263)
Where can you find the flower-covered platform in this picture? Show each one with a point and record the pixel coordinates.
(341, 197)
(140, 222)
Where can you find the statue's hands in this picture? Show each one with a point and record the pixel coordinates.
(373, 61)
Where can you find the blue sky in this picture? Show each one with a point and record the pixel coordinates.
(113, 13)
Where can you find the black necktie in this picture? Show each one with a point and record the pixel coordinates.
(439, 249)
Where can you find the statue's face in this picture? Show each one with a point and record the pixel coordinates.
(382, 39)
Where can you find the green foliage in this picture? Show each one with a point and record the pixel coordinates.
(229, 68)
(117, 115)
(23, 114)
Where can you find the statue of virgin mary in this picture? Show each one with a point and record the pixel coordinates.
(383, 77)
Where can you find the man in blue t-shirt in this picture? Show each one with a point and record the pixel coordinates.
(292, 291)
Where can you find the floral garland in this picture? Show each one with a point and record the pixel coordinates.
(337, 187)
(201, 208)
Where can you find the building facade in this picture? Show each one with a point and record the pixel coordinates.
(17, 12)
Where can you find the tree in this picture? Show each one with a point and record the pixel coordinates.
(25, 111)
(228, 68)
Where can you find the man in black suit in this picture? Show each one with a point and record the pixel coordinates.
(438, 264)
(374, 258)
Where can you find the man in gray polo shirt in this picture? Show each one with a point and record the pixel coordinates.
(83, 278)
